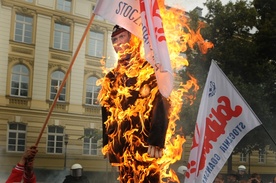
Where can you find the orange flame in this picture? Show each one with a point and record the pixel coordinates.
(174, 20)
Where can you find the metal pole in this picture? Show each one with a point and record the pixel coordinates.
(106, 170)
(65, 150)
(249, 164)
(269, 134)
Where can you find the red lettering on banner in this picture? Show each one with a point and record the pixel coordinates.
(143, 11)
(223, 114)
(158, 29)
(214, 128)
(196, 138)
(142, 6)
(155, 9)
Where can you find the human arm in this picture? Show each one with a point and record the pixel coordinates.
(254, 180)
(30, 179)
(16, 174)
(19, 171)
(29, 155)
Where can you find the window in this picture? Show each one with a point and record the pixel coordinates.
(55, 139)
(95, 47)
(242, 157)
(56, 80)
(61, 37)
(92, 91)
(16, 137)
(261, 156)
(90, 142)
(23, 28)
(64, 5)
(20, 81)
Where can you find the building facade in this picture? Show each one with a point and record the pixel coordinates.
(38, 39)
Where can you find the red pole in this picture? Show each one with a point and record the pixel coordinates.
(65, 78)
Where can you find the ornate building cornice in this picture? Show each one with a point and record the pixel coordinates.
(63, 20)
(98, 28)
(21, 60)
(25, 11)
(58, 65)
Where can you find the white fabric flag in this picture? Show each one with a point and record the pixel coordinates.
(223, 119)
(142, 18)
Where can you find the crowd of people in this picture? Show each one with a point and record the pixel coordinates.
(241, 177)
(24, 172)
(230, 178)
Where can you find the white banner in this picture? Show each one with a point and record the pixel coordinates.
(142, 18)
(125, 13)
(223, 119)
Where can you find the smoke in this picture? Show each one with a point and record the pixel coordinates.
(3, 177)
(58, 176)
(50, 176)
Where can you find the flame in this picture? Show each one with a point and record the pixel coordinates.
(178, 40)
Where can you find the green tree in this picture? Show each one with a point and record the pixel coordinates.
(265, 40)
(243, 34)
(198, 70)
(238, 54)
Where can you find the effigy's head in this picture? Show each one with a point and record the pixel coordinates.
(120, 38)
(117, 30)
(124, 43)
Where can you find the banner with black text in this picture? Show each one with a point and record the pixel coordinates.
(142, 18)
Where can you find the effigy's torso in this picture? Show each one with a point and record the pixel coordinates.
(128, 99)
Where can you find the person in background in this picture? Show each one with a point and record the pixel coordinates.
(232, 177)
(255, 178)
(243, 181)
(76, 175)
(24, 168)
(242, 175)
(219, 179)
(181, 172)
(274, 179)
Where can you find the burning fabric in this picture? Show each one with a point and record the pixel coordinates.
(135, 114)
(138, 121)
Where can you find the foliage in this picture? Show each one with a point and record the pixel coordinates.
(96, 134)
(198, 68)
(244, 38)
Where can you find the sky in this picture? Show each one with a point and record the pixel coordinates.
(189, 5)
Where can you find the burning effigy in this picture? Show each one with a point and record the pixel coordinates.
(139, 123)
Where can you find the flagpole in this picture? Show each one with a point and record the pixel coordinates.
(65, 77)
(269, 134)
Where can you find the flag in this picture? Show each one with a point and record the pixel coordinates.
(142, 18)
(223, 119)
